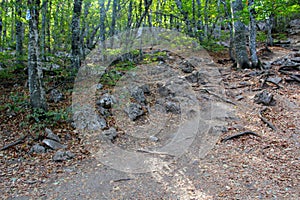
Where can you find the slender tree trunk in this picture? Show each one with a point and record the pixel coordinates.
(206, 18)
(230, 27)
(252, 37)
(102, 28)
(84, 30)
(75, 54)
(4, 25)
(48, 28)
(241, 56)
(269, 24)
(1, 27)
(43, 31)
(19, 33)
(145, 13)
(35, 74)
(55, 31)
(129, 17)
(199, 22)
(113, 22)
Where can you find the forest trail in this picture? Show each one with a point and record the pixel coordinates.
(261, 165)
(257, 167)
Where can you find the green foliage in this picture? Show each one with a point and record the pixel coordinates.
(212, 45)
(41, 119)
(261, 36)
(110, 78)
(17, 103)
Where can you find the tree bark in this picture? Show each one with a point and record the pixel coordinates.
(144, 14)
(19, 33)
(269, 25)
(239, 30)
(252, 37)
(43, 32)
(75, 54)
(35, 74)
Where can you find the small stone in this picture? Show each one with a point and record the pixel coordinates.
(153, 138)
(186, 67)
(173, 107)
(99, 86)
(110, 133)
(53, 144)
(56, 95)
(62, 156)
(146, 88)
(106, 101)
(37, 149)
(164, 91)
(138, 94)
(239, 97)
(51, 135)
(275, 80)
(134, 111)
(264, 97)
(193, 78)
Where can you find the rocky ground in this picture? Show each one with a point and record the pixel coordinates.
(246, 143)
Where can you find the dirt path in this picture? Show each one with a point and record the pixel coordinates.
(250, 167)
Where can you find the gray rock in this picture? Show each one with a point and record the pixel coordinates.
(134, 111)
(164, 91)
(99, 86)
(265, 98)
(275, 80)
(106, 101)
(56, 95)
(51, 135)
(110, 133)
(138, 94)
(104, 112)
(53, 144)
(193, 78)
(146, 89)
(186, 67)
(86, 118)
(173, 107)
(37, 149)
(102, 122)
(296, 59)
(62, 156)
(153, 138)
(239, 97)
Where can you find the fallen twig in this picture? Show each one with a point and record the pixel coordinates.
(265, 120)
(19, 141)
(122, 179)
(239, 135)
(218, 96)
(295, 77)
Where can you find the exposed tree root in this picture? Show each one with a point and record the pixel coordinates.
(239, 135)
(19, 141)
(260, 114)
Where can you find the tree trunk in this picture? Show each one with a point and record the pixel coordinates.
(199, 22)
(35, 74)
(129, 17)
(113, 22)
(19, 33)
(75, 53)
(239, 31)
(269, 25)
(145, 13)
(43, 32)
(252, 37)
